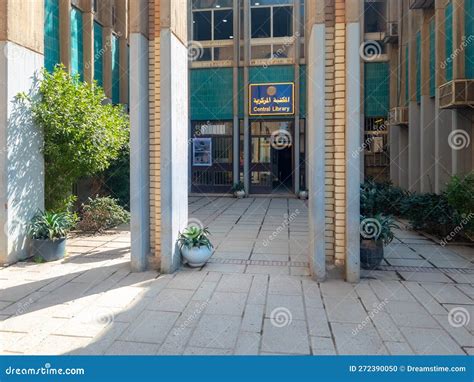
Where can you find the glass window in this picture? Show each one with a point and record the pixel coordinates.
(282, 21)
(261, 22)
(202, 26)
(374, 17)
(223, 25)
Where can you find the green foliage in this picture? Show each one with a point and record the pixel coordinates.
(381, 198)
(82, 134)
(460, 195)
(238, 187)
(431, 213)
(116, 179)
(102, 213)
(194, 237)
(51, 225)
(377, 227)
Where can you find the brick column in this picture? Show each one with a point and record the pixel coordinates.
(140, 135)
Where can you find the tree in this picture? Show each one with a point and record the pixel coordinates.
(82, 133)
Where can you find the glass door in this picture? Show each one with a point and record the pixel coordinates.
(271, 162)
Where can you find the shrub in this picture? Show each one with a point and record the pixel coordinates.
(102, 213)
(82, 134)
(116, 179)
(381, 198)
(431, 213)
(377, 227)
(460, 195)
(194, 237)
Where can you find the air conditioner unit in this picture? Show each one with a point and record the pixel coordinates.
(456, 94)
(398, 116)
(421, 4)
(391, 35)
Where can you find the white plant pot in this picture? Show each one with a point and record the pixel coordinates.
(239, 194)
(303, 195)
(196, 256)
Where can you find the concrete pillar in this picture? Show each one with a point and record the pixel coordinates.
(443, 118)
(461, 141)
(296, 130)
(235, 100)
(414, 129)
(21, 161)
(106, 12)
(173, 129)
(394, 137)
(403, 157)
(139, 136)
(427, 117)
(353, 141)
(315, 135)
(246, 148)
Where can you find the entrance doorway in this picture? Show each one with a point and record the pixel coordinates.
(272, 159)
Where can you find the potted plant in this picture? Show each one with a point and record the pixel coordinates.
(303, 194)
(238, 190)
(48, 231)
(375, 233)
(195, 246)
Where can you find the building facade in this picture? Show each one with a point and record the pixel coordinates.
(431, 54)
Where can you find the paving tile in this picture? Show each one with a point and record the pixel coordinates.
(253, 318)
(289, 339)
(431, 341)
(59, 345)
(436, 277)
(281, 306)
(349, 311)
(215, 331)
(258, 290)
(322, 346)
(171, 300)
(365, 342)
(461, 334)
(175, 342)
(268, 269)
(132, 348)
(239, 283)
(190, 350)
(248, 343)
(150, 327)
(227, 303)
(447, 294)
(285, 285)
(186, 280)
(317, 322)
(398, 348)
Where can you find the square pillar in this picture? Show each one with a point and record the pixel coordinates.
(316, 135)
(21, 160)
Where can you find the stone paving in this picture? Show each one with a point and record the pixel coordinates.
(253, 297)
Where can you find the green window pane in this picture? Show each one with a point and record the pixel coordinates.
(51, 34)
(432, 59)
(98, 54)
(211, 94)
(418, 67)
(77, 46)
(449, 41)
(376, 89)
(115, 69)
(469, 30)
(303, 91)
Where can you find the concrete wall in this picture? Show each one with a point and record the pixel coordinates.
(21, 162)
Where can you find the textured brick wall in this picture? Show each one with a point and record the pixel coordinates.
(335, 127)
(154, 94)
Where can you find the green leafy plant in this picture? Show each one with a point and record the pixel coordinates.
(51, 225)
(102, 213)
(238, 187)
(384, 198)
(82, 133)
(431, 213)
(194, 237)
(460, 193)
(377, 227)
